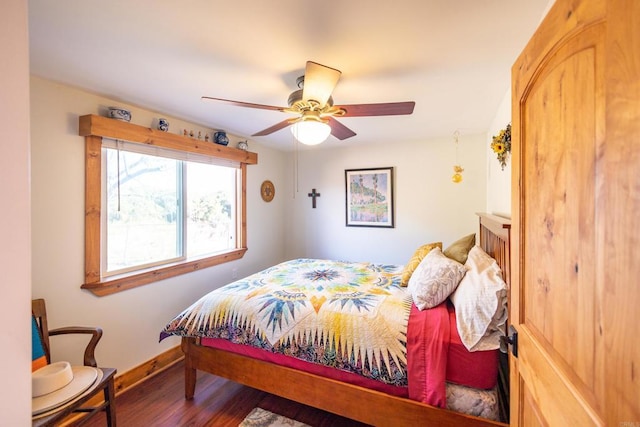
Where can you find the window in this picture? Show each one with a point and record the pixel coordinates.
(154, 211)
(160, 210)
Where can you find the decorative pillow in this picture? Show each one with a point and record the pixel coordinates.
(459, 249)
(480, 302)
(435, 278)
(413, 263)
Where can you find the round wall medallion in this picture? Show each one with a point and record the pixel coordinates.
(267, 191)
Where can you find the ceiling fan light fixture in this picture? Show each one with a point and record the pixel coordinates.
(313, 104)
(311, 132)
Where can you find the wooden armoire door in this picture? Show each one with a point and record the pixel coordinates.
(575, 295)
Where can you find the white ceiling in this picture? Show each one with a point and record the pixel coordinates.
(452, 57)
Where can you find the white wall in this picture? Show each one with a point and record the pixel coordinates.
(428, 205)
(15, 259)
(498, 180)
(131, 320)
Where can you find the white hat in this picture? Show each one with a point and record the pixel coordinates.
(59, 383)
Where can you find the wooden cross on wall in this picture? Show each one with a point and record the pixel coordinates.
(313, 194)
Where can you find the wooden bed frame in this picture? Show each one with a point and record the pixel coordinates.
(358, 403)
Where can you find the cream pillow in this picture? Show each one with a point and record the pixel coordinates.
(435, 278)
(480, 302)
(459, 249)
(413, 263)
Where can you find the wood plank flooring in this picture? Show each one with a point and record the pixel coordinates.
(159, 401)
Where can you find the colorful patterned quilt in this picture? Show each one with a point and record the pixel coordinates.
(350, 316)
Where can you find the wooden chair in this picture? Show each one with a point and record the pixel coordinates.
(106, 384)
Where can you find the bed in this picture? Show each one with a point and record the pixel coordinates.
(414, 372)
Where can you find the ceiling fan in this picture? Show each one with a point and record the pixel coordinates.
(314, 109)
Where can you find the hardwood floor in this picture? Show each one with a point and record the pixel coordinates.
(159, 401)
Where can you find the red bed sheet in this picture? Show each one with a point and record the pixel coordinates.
(435, 354)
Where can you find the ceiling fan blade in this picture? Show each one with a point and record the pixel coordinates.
(339, 130)
(382, 109)
(246, 104)
(319, 82)
(283, 124)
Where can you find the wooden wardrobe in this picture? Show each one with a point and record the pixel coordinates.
(575, 296)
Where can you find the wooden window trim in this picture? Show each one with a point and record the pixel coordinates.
(94, 128)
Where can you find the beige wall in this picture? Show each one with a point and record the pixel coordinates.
(428, 205)
(15, 259)
(498, 180)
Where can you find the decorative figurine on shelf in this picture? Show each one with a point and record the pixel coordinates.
(199, 135)
(191, 134)
(206, 137)
(163, 125)
(220, 137)
(243, 145)
(184, 132)
(120, 114)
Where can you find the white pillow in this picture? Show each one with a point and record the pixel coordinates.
(434, 279)
(480, 302)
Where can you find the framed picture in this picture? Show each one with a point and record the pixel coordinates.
(369, 197)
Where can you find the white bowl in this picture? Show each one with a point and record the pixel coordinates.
(120, 114)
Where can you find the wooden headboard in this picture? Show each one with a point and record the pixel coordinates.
(495, 232)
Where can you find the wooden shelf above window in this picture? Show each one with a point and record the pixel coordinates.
(93, 125)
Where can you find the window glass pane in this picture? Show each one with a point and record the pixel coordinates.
(211, 209)
(143, 214)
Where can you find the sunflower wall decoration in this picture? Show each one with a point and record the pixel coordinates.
(501, 145)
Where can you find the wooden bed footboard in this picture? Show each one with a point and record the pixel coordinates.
(351, 401)
(358, 403)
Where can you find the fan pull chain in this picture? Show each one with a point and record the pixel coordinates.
(295, 165)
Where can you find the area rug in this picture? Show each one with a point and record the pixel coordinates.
(262, 418)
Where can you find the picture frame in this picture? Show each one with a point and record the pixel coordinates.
(369, 197)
